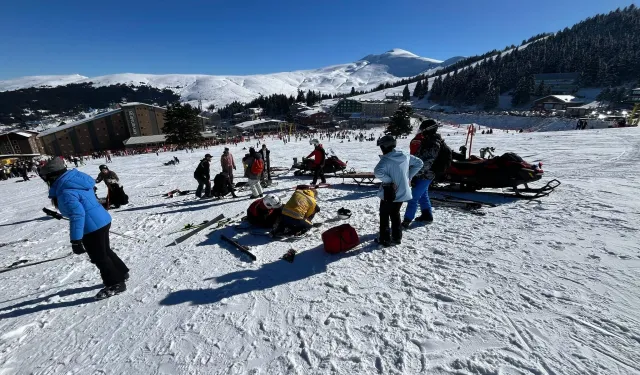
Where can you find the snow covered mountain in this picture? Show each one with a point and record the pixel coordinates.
(364, 74)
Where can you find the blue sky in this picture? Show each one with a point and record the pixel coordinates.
(250, 37)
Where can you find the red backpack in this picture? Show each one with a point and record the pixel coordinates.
(257, 167)
(340, 238)
(414, 146)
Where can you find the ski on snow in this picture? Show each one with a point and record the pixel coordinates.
(185, 237)
(238, 246)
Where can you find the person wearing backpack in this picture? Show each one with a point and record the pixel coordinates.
(394, 169)
(254, 167)
(436, 158)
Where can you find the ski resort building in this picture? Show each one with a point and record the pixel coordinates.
(259, 125)
(313, 117)
(559, 83)
(19, 143)
(379, 108)
(106, 131)
(557, 102)
(347, 107)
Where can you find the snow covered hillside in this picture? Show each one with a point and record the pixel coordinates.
(364, 74)
(546, 287)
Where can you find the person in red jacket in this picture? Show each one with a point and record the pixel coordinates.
(319, 158)
(265, 212)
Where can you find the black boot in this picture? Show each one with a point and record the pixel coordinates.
(426, 217)
(406, 223)
(110, 291)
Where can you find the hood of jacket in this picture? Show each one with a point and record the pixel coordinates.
(74, 180)
(395, 156)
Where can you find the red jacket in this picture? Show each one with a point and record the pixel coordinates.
(227, 161)
(319, 156)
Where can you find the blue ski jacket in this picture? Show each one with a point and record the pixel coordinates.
(77, 201)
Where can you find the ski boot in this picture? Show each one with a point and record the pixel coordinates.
(426, 217)
(406, 223)
(111, 291)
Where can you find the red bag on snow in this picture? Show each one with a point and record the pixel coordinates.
(340, 238)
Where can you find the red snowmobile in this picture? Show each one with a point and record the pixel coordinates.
(506, 171)
(331, 165)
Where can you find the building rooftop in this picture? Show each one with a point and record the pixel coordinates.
(564, 98)
(23, 133)
(159, 138)
(76, 123)
(250, 124)
(310, 112)
(139, 103)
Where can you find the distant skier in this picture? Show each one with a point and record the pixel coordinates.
(222, 186)
(265, 212)
(227, 163)
(254, 165)
(72, 194)
(116, 195)
(202, 175)
(394, 169)
(176, 160)
(319, 158)
(298, 213)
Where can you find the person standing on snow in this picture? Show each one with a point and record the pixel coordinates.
(202, 175)
(266, 157)
(72, 194)
(394, 169)
(254, 165)
(430, 144)
(227, 163)
(319, 158)
(117, 196)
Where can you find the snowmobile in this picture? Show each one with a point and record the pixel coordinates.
(506, 171)
(332, 164)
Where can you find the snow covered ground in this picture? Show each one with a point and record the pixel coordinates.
(547, 287)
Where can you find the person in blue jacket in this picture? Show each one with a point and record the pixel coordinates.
(72, 194)
(395, 169)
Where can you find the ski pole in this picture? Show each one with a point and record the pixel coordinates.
(58, 216)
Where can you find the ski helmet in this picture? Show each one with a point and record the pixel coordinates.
(272, 201)
(387, 142)
(208, 156)
(344, 214)
(314, 142)
(102, 166)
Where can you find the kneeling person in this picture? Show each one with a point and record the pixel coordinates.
(222, 186)
(265, 212)
(298, 213)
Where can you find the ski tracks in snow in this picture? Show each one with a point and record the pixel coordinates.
(546, 288)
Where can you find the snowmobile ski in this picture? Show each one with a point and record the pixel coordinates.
(25, 263)
(238, 246)
(183, 238)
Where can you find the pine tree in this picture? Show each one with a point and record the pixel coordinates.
(417, 91)
(181, 125)
(353, 91)
(541, 90)
(406, 95)
(300, 98)
(492, 99)
(211, 107)
(400, 122)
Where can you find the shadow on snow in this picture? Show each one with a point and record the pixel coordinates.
(41, 305)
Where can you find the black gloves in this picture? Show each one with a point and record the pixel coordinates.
(77, 247)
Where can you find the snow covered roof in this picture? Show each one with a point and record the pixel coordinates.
(131, 104)
(159, 138)
(250, 124)
(310, 112)
(25, 134)
(76, 123)
(564, 98)
(592, 105)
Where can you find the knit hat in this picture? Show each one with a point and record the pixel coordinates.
(429, 126)
(52, 166)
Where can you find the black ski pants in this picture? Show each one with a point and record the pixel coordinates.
(112, 268)
(206, 184)
(319, 172)
(390, 211)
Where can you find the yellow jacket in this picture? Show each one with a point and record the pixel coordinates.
(301, 205)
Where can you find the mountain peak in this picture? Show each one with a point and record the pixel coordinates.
(402, 63)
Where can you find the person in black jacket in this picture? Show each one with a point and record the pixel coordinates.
(222, 186)
(203, 177)
(266, 157)
(116, 197)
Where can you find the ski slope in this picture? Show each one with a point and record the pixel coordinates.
(549, 287)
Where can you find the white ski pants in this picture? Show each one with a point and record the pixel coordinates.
(256, 188)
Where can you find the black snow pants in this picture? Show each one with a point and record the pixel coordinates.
(319, 172)
(112, 268)
(207, 188)
(390, 210)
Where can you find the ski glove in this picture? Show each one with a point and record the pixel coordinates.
(77, 247)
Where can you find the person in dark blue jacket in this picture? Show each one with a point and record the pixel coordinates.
(72, 194)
